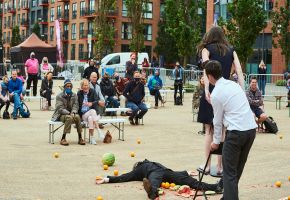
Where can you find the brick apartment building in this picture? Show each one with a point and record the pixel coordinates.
(263, 46)
(76, 19)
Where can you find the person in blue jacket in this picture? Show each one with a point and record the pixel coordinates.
(15, 91)
(154, 85)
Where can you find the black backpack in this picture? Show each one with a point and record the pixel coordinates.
(270, 125)
(6, 115)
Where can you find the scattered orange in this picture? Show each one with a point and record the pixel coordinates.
(281, 136)
(98, 178)
(99, 198)
(116, 172)
(138, 141)
(278, 183)
(132, 154)
(288, 178)
(163, 185)
(288, 197)
(172, 184)
(167, 185)
(106, 167)
(56, 155)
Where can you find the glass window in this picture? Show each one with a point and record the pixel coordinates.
(162, 10)
(58, 12)
(83, 8)
(126, 31)
(148, 32)
(74, 10)
(115, 60)
(124, 9)
(73, 52)
(52, 1)
(82, 33)
(148, 11)
(34, 3)
(51, 33)
(81, 52)
(92, 7)
(18, 19)
(51, 14)
(73, 32)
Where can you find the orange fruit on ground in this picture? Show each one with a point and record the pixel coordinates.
(163, 185)
(288, 197)
(98, 178)
(172, 184)
(132, 154)
(167, 185)
(116, 172)
(281, 136)
(288, 178)
(106, 167)
(138, 141)
(278, 183)
(99, 198)
(56, 155)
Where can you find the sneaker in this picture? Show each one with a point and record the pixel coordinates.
(64, 142)
(136, 121)
(81, 142)
(93, 141)
(131, 121)
(147, 186)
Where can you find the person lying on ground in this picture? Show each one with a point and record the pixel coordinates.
(153, 174)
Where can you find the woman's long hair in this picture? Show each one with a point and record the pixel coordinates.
(217, 37)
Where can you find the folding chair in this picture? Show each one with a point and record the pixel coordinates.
(201, 172)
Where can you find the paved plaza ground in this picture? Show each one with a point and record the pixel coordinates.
(28, 169)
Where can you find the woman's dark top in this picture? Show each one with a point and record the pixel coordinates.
(262, 71)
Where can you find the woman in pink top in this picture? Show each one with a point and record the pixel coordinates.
(31, 69)
(45, 67)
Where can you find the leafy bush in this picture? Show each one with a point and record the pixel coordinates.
(281, 83)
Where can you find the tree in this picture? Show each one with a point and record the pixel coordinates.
(36, 30)
(280, 19)
(184, 23)
(136, 12)
(104, 28)
(166, 45)
(248, 19)
(15, 39)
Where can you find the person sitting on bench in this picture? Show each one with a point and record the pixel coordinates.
(46, 89)
(153, 174)
(66, 111)
(256, 101)
(4, 94)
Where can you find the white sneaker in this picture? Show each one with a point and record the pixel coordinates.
(93, 141)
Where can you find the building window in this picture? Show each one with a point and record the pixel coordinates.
(74, 10)
(81, 52)
(148, 32)
(82, 32)
(83, 8)
(92, 7)
(52, 1)
(58, 12)
(124, 9)
(34, 3)
(18, 19)
(51, 14)
(73, 52)
(51, 33)
(73, 32)
(32, 17)
(126, 31)
(262, 49)
(148, 11)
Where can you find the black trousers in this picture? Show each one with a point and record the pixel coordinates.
(288, 97)
(2, 104)
(32, 77)
(178, 85)
(46, 94)
(236, 148)
(157, 96)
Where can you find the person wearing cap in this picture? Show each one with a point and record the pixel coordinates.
(154, 85)
(93, 67)
(31, 70)
(135, 93)
(66, 111)
(46, 89)
(45, 67)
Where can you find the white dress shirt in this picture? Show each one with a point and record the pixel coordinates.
(231, 109)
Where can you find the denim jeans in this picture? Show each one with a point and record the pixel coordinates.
(262, 85)
(139, 107)
(112, 100)
(17, 105)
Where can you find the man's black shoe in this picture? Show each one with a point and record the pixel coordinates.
(220, 187)
(136, 121)
(131, 121)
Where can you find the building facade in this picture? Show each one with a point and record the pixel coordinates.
(263, 49)
(76, 19)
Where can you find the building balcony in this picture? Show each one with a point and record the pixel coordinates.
(43, 3)
(83, 55)
(84, 34)
(24, 22)
(63, 0)
(113, 13)
(25, 5)
(64, 37)
(63, 17)
(11, 10)
(88, 13)
(43, 20)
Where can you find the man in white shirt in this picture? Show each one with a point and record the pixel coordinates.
(231, 109)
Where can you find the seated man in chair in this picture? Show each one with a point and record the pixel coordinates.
(255, 99)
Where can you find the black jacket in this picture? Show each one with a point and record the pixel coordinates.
(107, 87)
(134, 91)
(46, 85)
(92, 97)
(89, 70)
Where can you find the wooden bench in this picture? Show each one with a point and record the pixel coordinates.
(118, 123)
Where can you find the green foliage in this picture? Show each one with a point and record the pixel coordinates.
(36, 30)
(136, 10)
(104, 28)
(15, 40)
(184, 24)
(166, 45)
(248, 20)
(281, 23)
(281, 83)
